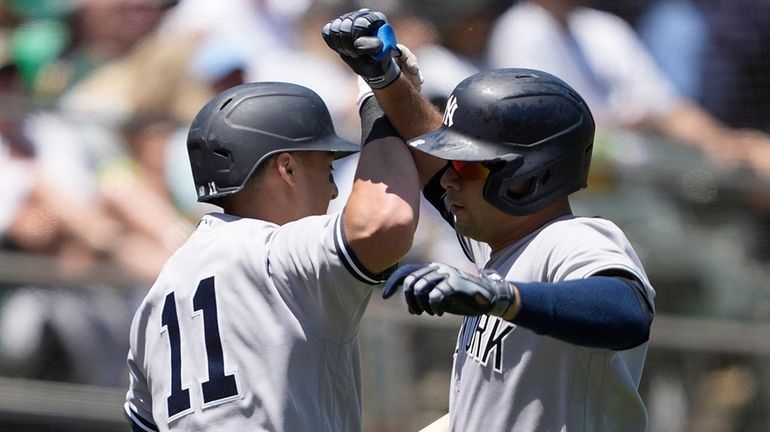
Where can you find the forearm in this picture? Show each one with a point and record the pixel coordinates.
(688, 123)
(603, 312)
(382, 211)
(411, 115)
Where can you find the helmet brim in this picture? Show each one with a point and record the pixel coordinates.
(447, 143)
(341, 147)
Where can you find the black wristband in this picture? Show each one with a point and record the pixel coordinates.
(374, 122)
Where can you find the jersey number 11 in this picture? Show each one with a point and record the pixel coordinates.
(219, 386)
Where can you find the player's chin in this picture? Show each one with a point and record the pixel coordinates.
(463, 227)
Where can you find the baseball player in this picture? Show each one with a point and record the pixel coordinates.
(252, 323)
(557, 321)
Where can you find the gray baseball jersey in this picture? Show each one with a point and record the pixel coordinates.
(252, 326)
(509, 378)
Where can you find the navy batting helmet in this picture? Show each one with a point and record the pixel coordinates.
(242, 126)
(522, 124)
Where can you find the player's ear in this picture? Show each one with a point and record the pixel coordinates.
(286, 164)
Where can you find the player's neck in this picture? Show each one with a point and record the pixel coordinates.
(270, 200)
(521, 226)
(272, 214)
(272, 209)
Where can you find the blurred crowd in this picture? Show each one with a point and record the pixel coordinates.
(97, 96)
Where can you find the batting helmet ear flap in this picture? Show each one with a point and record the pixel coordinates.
(501, 178)
(549, 183)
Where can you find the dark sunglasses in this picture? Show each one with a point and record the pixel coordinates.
(470, 170)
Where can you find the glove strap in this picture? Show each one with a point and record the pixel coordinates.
(503, 292)
(386, 79)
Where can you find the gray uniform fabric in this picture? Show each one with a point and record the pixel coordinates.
(509, 378)
(264, 319)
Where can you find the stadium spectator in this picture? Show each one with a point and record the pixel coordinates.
(99, 31)
(676, 35)
(85, 203)
(253, 27)
(330, 80)
(716, 52)
(736, 70)
(52, 326)
(602, 57)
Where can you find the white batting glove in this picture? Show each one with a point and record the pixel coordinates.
(409, 66)
(364, 92)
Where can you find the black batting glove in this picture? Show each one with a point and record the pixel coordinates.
(367, 43)
(436, 288)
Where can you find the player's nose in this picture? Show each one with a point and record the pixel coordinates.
(450, 179)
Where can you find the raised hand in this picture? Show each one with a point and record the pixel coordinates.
(367, 43)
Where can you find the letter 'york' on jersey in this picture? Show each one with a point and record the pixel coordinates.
(484, 335)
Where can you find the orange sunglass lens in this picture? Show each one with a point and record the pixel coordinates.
(470, 170)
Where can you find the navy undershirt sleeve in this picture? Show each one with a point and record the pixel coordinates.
(599, 311)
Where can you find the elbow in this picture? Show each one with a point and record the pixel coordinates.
(635, 322)
(638, 337)
(635, 332)
(395, 232)
(387, 232)
(395, 242)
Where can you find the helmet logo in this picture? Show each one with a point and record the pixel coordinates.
(209, 189)
(449, 112)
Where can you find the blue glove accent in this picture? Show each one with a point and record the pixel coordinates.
(388, 38)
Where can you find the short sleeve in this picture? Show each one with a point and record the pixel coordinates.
(586, 246)
(319, 275)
